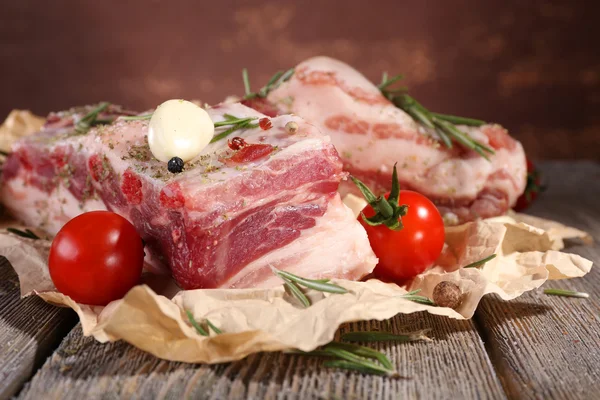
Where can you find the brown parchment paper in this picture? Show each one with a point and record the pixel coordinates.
(152, 315)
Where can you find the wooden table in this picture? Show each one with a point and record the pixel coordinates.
(536, 346)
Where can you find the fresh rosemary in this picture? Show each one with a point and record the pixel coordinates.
(293, 283)
(385, 336)
(91, 119)
(413, 296)
(566, 293)
(199, 328)
(26, 233)
(275, 81)
(136, 117)
(444, 125)
(353, 357)
(235, 124)
(480, 262)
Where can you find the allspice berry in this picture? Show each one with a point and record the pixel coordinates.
(447, 294)
(291, 127)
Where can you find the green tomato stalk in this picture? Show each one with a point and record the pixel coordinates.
(388, 210)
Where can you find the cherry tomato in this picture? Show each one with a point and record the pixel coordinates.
(406, 253)
(96, 258)
(532, 189)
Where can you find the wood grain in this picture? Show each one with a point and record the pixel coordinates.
(546, 346)
(30, 330)
(436, 370)
(540, 346)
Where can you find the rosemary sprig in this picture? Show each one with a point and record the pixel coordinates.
(418, 299)
(352, 366)
(310, 283)
(444, 125)
(235, 124)
(363, 351)
(388, 210)
(214, 328)
(195, 324)
(275, 81)
(566, 293)
(480, 262)
(385, 336)
(199, 328)
(26, 233)
(357, 360)
(90, 119)
(296, 292)
(353, 357)
(136, 117)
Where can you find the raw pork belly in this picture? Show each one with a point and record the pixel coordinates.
(371, 134)
(222, 222)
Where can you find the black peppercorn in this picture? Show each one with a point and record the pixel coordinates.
(175, 165)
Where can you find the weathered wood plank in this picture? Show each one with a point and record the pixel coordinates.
(454, 365)
(545, 346)
(30, 330)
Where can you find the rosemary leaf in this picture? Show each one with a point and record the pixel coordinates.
(566, 293)
(214, 328)
(195, 324)
(26, 233)
(385, 82)
(311, 284)
(233, 121)
(314, 353)
(236, 124)
(412, 292)
(246, 82)
(136, 117)
(444, 137)
(385, 336)
(86, 122)
(459, 120)
(419, 299)
(353, 366)
(350, 356)
(364, 352)
(102, 121)
(296, 292)
(273, 83)
(480, 262)
(274, 78)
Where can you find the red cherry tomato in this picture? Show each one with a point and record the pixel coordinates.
(532, 189)
(96, 258)
(406, 253)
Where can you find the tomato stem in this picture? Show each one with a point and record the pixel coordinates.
(388, 210)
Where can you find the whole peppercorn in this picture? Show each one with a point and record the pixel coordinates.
(291, 127)
(175, 165)
(447, 294)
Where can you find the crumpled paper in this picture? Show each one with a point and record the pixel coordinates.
(152, 315)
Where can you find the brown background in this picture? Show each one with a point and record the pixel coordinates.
(534, 66)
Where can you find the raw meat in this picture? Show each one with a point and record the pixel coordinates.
(223, 222)
(371, 134)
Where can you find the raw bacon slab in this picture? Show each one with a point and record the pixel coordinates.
(371, 134)
(223, 222)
